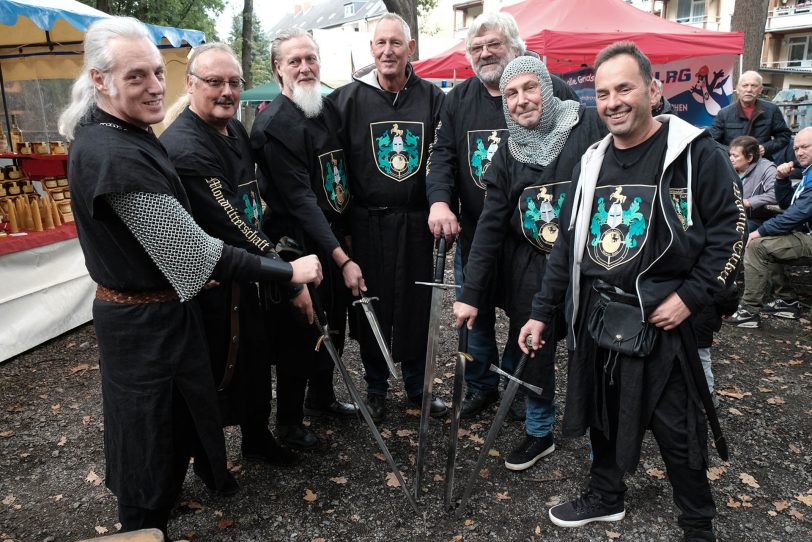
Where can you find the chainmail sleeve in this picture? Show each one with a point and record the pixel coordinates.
(183, 252)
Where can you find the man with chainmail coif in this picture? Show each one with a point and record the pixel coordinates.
(527, 184)
(472, 126)
(150, 259)
(654, 228)
(211, 152)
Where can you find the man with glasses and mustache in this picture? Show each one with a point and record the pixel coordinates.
(212, 155)
(303, 172)
(472, 127)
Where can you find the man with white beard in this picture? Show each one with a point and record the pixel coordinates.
(303, 178)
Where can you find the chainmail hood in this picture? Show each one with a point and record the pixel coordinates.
(542, 144)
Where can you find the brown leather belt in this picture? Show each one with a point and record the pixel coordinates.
(234, 343)
(134, 298)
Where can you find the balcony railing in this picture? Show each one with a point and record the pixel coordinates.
(800, 66)
(701, 21)
(790, 17)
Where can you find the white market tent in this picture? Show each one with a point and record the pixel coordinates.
(45, 291)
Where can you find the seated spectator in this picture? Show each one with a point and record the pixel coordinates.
(783, 239)
(752, 116)
(758, 179)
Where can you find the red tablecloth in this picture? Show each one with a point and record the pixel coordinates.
(33, 239)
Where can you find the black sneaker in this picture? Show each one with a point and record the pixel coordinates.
(477, 401)
(744, 318)
(783, 309)
(229, 487)
(297, 437)
(585, 509)
(335, 409)
(529, 452)
(377, 407)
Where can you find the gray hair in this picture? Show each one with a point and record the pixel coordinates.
(397, 18)
(754, 74)
(97, 56)
(282, 37)
(496, 21)
(197, 52)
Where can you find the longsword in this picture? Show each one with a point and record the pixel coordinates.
(324, 328)
(456, 410)
(437, 291)
(493, 432)
(372, 318)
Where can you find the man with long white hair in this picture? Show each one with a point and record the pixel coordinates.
(303, 169)
(150, 260)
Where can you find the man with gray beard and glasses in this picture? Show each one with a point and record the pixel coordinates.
(472, 126)
(303, 174)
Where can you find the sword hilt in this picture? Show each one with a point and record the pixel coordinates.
(439, 262)
(365, 299)
(317, 306)
(464, 338)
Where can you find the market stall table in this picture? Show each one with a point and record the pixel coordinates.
(45, 289)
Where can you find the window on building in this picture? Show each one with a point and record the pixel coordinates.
(691, 11)
(464, 14)
(799, 52)
(349, 9)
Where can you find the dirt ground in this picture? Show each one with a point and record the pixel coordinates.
(52, 460)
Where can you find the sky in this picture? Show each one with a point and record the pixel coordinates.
(268, 11)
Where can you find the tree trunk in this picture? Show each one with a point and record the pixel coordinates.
(750, 17)
(247, 40)
(408, 10)
(103, 5)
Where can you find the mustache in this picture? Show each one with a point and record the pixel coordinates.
(224, 101)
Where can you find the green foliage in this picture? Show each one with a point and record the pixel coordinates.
(194, 14)
(425, 6)
(261, 68)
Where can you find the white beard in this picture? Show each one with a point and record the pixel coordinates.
(309, 99)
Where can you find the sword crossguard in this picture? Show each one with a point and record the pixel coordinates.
(439, 285)
(509, 376)
(365, 299)
(464, 355)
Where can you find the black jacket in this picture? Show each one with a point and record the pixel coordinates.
(767, 125)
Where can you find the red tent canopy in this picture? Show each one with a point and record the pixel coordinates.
(569, 33)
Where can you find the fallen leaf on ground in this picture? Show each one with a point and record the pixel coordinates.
(457, 537)
(780, 506)
(735, 411)
(493, 452)
(806, 499)
(340, 480)
(776, 400)
(404, 432)
(57, 498)
(772, 513)
(768, 371)
(379, 455)
(762, 389)
(9, 499)
(746, 501)
(502, 496)
(554, 501)
(733, 503)
(386, 433)
(80, 367)
(795, 362)
(225, 523)
(6, 434)
(392, 480)
(93, 478)
(413, 412)
(537, 530)
(309, 495)
(749, 480)
(100, 529)
(15, 408)
(484, 473)
(85, 420)
(62, 441)
(797, 515)
(794, 449)
(463, 432)
(733, 392)
(476, 439)
(613, 534)
(438, 478)
(656, 473)
(192, 505)
(469, 522)
(319, 540)
(714, 473)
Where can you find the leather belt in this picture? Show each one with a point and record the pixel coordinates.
(234, 343)
(135, 298)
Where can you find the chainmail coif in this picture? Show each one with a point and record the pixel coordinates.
(542, 144)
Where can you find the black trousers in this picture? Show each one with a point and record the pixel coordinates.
(669, 425)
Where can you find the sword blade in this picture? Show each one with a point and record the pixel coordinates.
(493, 432)
(456, 410)
(372, 318)
(431, 355)
(324, 329)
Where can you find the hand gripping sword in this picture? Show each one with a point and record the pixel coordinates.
(456, 409)
(493, 432)
(369, 312)
(324, 328)
(437, 291)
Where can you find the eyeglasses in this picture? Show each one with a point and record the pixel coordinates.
(213, 82)
(492, 46)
